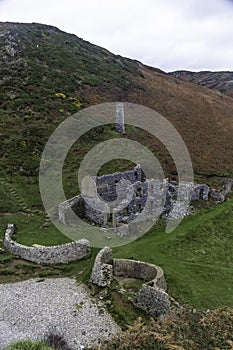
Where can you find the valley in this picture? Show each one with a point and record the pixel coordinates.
(46, 76)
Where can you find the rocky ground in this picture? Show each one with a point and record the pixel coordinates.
(31, 308)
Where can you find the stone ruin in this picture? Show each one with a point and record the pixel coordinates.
(125, 197)
(39, 254)
(124, 194)
(112, 189)
(116, 200)
(151, 297)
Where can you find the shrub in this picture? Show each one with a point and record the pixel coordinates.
(29, 345)
(56, 341)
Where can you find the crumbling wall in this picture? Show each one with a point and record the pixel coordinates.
(77, 205)
(151, 197)
(151, 297)
(228, 183)
(153, 300)
(102, 271)
(200, 192)
(63, 253)
(140, 270)
(106, 184)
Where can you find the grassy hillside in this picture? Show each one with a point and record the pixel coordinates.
(220, 81)
(48, 75)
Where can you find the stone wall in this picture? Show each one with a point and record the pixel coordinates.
(124, 197)
(106, 184)
(200, 192)
(92, 209)
(228, 184)
(63, 253)
(153, 300)
(151, 297)
(76, 204)
(102, 272)
(140, 270)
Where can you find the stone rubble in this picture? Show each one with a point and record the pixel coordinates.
(31, 308)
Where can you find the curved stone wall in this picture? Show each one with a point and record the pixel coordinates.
(63, 253)
(151, 297)
(140, 270)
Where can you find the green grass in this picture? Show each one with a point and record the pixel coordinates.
(196, 258)
(60, 64)
(29, 345)
(29, 231)
(14, 269)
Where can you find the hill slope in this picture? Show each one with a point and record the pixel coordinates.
(47, 75)
(220, 81)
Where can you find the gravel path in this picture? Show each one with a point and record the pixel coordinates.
(30, 308)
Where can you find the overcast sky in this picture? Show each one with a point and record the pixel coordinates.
(168, 34)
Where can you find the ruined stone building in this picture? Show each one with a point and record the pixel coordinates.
(115, 199)
(120, 198)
